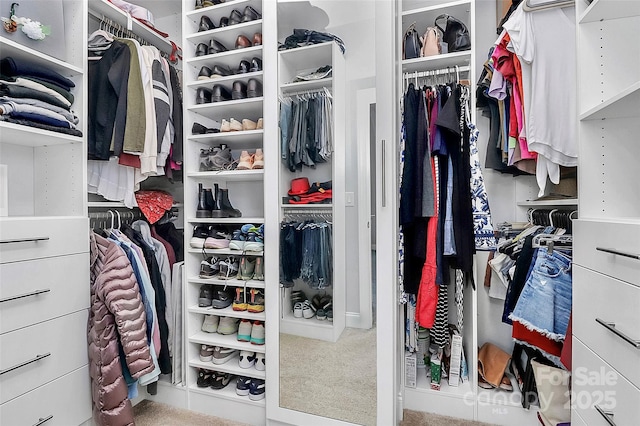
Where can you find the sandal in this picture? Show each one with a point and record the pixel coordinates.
(505, 384)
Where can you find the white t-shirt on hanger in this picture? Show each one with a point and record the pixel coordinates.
(545, 42)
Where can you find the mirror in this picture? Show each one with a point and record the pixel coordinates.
(328, 368)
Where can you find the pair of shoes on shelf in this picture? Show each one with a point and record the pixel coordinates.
(322, 305)
(248, 238)
(254, 388)
(251, 300)
(251, 161)
(303, 310)
(215, 47)
(251, 331)
(216, 296)
(250, 359)
(200, 129)
(243, 41)
(234, 125)
(218, 71)
(251, 268)
(219, 324)
(215, 205)
(206, 3)
(220, 93)
(214, 379)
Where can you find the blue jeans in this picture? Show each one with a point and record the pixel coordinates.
(545, 302)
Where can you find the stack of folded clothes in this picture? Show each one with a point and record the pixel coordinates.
(36, 96)
(303, 193)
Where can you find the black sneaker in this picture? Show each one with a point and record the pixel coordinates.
(221, 297)
(220, 380)
(204, 378)
(229, 268)
(256, 389)
(242, 385)
(200, 234)
(206, 295)
(209, 267)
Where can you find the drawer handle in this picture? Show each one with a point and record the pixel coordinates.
(20, 296)
(619, 253)
(608, 415)
(22, 364)
(24, 240)
(611, 326)
(43, 420)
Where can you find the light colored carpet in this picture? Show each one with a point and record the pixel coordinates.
(336, 380)
(417, 418)
(150, 413)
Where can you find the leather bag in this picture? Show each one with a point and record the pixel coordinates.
(455, 34)
(431, 42)
(411, 44)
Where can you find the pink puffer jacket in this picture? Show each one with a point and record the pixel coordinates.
(116, 310)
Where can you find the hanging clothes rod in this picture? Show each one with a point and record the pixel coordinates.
(322, 89)
(430, 73)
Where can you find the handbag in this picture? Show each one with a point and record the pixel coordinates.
(431, 42)
(455, 34)
(411, 44)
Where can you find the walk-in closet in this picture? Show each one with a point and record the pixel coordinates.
(319, 212)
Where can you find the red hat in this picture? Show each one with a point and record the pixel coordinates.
(153, 204)
(299, 186)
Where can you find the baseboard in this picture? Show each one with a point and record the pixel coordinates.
(355, 320)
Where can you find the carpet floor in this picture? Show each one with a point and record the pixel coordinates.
(335, 380)
(149, 413)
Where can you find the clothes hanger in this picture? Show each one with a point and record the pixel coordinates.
(527, 6)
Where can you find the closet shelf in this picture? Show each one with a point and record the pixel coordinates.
(230, 58)
(423, 386)
(230, 366)
(18, 51)
(437, 61)
(230, 78)
(311, 327)
(223, 9)
(227, 35)
(118, 204)
(227, 341)
(609, 9)
(500, 396)
(227, 252)
(621, 105)
(548, 203)
(228, 392)
(306, 85)
(101, 8)
(231, 283)
(249, 139)
(18, 134)
(230, 175)
(410, 10)
(424, 17)
(229, 220)
(307, 53)
(227, 312)
(238, 109)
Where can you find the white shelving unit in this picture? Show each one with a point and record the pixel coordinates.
(607, 234)
(246, 193)
(290, 63)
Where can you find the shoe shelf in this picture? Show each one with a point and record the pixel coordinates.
(17, 134)
(605, 10)
(102, 8)
(18, 51)
(250, 139)
(230, 175)
(229, 392)
(311, 328)
(230, 220)
(227, 312)
(227, 35)
(437, 61)
(209, 82)
(626, 103)
(217, 11)
(229, 252)
(229, 58)
(232, 283)
(227, 341)
(230, 366)
(238, 109)
(306, 85)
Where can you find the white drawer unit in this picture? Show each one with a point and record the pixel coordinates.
(62, 402)
(38, 290)
(606, 318)
(36, 238)
(35, 355)
(600, 395)
(612, 248)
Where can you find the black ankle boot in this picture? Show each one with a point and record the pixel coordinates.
(203, 210)
(209, 200)
(216, 211)
(225, 204)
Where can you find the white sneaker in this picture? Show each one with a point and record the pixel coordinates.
(210, 323)
(297, 310)
(247, 359)
(221, 355)
(228, 325)
(260, 364)
(308, 310)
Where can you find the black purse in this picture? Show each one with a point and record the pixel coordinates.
(411, 44)
(456, 34)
